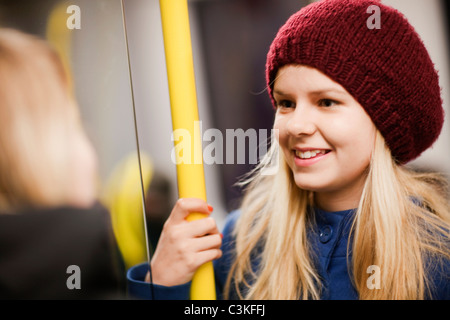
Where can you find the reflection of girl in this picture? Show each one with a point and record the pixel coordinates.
(342, 218)
(46, 159)
(48, 170)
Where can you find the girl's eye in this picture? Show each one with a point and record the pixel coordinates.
(327, 103)
(285, 104)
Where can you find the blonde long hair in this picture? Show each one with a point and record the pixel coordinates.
(402, 220)
(37, 115)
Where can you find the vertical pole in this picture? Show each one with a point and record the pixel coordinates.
(184, 109)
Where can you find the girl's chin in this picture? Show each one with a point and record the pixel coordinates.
(315, 182)
(309, 186)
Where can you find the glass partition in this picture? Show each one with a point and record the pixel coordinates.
(89, 37)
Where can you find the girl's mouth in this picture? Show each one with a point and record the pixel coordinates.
(309, 154)
(309, 157)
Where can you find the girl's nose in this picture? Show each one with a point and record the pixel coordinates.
(301, 121)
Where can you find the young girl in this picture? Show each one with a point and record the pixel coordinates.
(342, 218)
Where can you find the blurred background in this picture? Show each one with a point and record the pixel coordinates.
(230, 41)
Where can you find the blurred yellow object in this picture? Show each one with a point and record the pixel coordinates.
(183, 103)
(123, 198)
(60, 37)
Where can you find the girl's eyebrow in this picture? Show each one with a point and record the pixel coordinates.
(315, 92)
(279, 93)
(327, 90)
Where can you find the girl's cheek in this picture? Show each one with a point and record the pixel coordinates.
(279, 128)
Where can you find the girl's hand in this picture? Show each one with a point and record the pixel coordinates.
(184, 246)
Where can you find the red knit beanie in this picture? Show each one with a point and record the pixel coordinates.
(387, 70)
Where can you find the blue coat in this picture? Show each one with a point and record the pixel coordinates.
(329, 241)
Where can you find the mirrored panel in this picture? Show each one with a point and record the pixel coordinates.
(89, 38)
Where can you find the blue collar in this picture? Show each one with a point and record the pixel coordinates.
(331, 231)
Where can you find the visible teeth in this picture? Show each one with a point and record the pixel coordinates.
(308, 154)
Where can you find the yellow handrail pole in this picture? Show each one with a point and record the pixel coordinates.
(184, 109)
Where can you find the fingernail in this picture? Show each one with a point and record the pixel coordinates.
(221, 235)
(210, 208)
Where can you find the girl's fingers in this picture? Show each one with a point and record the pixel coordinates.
(185, 245)
(209, 242)
(184, 206)
(208, 255)
(201, 227)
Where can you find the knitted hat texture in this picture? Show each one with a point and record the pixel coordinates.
(387, 70)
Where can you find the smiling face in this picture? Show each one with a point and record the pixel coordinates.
(326, 136)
